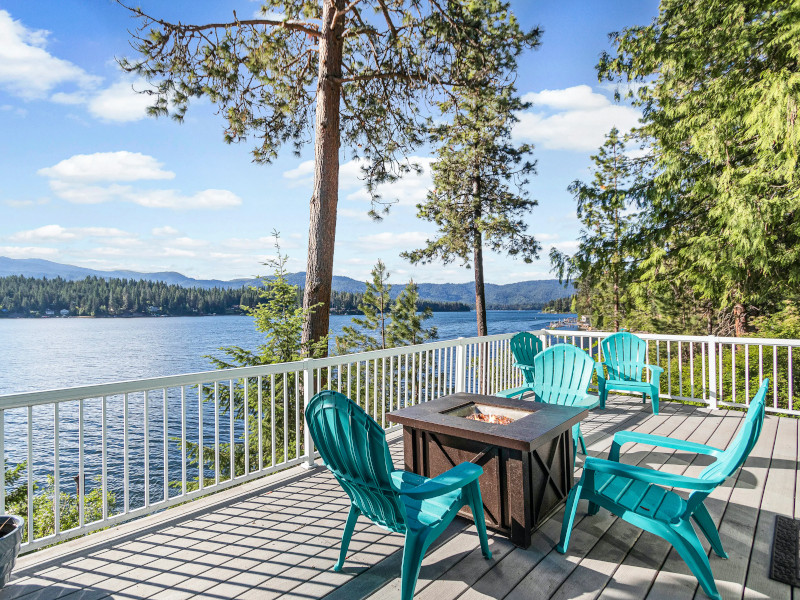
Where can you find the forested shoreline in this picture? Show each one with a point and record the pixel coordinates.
(29, 297)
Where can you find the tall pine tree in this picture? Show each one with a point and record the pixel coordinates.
(479, 197)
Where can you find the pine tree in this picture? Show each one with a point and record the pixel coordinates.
(720, 102)
(370, 332)
(602, 261)
(406, 328)
(479, 198)
(361, 72)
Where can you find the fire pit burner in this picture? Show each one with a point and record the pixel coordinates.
(498, 415)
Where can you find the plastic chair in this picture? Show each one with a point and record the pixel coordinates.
(639, 495)
(524, 347)
(562, 375)
(353, 447)
(625, 356)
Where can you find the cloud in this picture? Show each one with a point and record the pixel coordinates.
(121, 102)
(57, 233)
(72, 179)
(207, 199)
(574, 118)
(27, 69)
(107, 166)
(164, 231)
(27, 252)
(388, 240)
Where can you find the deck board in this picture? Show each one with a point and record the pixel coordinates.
(278, 537)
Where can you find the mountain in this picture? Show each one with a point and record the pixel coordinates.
(524, 294)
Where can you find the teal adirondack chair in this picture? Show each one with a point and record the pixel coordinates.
(524, 347)
(639, 495)
(625, 357)
(353, 447)
(562, 375)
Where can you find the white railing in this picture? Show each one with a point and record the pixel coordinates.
(102, 454)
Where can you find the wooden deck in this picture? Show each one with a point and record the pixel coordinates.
(278, 537)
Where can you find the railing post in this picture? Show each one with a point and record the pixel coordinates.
(308, 383)
(712, 371)
(461, 366)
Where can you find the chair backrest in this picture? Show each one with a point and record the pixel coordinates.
(525, 346)
(624, 355)
(739, 449)
(353, 447)
(563, 373)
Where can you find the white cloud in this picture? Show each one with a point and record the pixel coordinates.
(121, 102)
(27, 69)
(47, 233)
(165, 231)
(388, 240)
(568, 246)
(356, 214)
(579, 97)
(71, 180)
(28, 252)
(107, 166)
(302, 173)
(577, 119)
(207, 199)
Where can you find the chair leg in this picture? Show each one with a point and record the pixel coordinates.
(686, 542)
(654, 400)
(569, 517)
(706, 524)
(602, 394)
(593, 508)
(413, 552)
(473, 492)
(352, 517)
(644, 397)
(577, 438)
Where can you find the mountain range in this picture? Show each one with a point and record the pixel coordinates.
(523, 294)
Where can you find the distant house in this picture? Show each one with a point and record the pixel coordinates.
(64, 312)
(153, 309)
(49, 312)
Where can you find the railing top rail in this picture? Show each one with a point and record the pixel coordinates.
(23, 399)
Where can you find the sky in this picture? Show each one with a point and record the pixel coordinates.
(86, 178)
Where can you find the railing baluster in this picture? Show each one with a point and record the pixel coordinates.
(680, 370)
(183, 440)
(669, 368)
(216, 433)
(286, 415)
(3, 456)
(103, 459)
(747, 373)
(260, 383)
(790, 398)
(691, 369)
(775, 376)
(125, 458)
(30, 475)
(57, 469)
(166, 447)
(81, 472)
(232, 438)
(146, 448)
(201, 483)
(246, 427)
(272, 418)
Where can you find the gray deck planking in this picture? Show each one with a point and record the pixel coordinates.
(278, 537)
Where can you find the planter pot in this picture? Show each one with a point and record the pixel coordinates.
(10, 538)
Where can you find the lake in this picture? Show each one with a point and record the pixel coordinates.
(39, 354)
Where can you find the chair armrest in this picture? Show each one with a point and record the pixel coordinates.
(456, 478)
(524, 367)
(600, 465)
(626, 437)
(601, 374)
(656, 371)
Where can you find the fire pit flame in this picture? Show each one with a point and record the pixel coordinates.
(496, 419)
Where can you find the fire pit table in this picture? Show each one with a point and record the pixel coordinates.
(524, 447)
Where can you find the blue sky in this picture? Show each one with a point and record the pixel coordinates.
(87, 179)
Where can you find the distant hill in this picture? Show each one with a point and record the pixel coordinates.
(524, 294)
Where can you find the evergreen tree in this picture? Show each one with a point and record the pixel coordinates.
(361, 71)
(406, 328)
(370, 333)
(602, 261)
(479, 197)
(720, 100)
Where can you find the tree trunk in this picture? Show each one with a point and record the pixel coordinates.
(325, 197)
(477, 259)
(739, 320)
